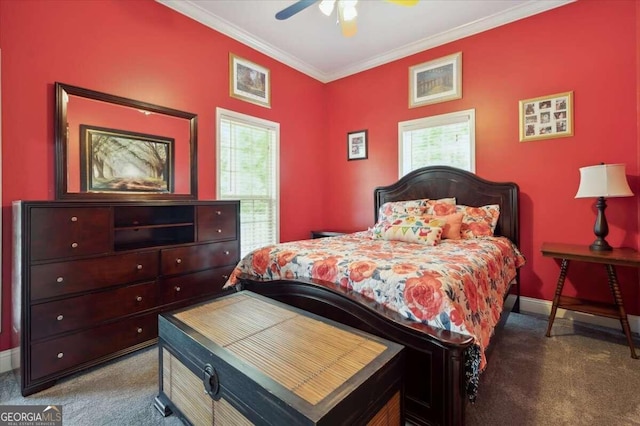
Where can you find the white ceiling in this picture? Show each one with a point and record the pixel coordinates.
(313, 43)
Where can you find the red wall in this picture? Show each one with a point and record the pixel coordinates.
(589, 47)
(145, 51)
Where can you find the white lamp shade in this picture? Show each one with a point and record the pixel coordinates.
(603, 180)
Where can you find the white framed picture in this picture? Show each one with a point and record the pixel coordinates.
(249, 81)
(436, 81)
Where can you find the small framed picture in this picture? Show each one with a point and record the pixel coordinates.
(357, 145)
(436, 81)
(546, 117)
(249, 82)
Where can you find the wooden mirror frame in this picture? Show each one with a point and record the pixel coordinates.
(62, 93)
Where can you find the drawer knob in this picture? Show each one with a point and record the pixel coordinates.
(139, 299)
(218, 212)
(139, 330)
(139, 267)
(60, 317)
(59, 279)
(74, 218)
(219, 231)
(177, 288)
(60, 355)
(178, 260)
(74, 245)
(226, 277)
(226, 252)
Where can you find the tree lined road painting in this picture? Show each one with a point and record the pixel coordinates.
(115, 160)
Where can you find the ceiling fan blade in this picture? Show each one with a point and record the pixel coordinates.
(404, 2)
(349, 28)
(298, 6)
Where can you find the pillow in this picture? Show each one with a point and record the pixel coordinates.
(451, 230)
(410, 207)
(441, 207)
(478, 221)
(411, 229)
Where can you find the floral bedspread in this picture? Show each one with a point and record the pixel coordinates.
(457, 285)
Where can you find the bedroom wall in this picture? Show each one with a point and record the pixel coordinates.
(145, 51)
(589, 47)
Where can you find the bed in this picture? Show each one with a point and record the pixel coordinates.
(443, 364)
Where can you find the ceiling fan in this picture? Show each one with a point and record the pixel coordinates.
(346, 11)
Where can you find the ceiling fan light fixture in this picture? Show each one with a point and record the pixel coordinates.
(326, 6)
(349, 13)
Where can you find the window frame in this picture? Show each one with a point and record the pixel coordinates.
(222, 113)
(436, 121)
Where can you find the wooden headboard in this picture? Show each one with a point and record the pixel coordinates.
(442, 182)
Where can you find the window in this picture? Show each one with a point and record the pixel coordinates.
(447, 139)
(247, 170)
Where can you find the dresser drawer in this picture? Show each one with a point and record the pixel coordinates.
(192, 285)
(56, 355)
(55, 279)
(69, 231)
(181, 260)
(217, 223)
(77, 312)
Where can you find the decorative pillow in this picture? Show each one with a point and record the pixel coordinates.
(418, 207)
(478, 221)
(453, 225)
(412, 229)
(441, 207)
(410, 207)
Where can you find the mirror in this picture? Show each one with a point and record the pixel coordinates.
(110, 147)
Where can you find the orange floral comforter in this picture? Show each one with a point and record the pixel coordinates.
(456, 285)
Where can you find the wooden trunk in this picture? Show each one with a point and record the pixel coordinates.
(245, 359)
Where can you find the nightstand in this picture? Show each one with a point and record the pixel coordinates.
(322, 234)
(611, 259)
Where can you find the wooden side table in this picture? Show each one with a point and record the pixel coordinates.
(615, 257)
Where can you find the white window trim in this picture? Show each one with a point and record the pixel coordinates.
(251, 120)
(433, 121)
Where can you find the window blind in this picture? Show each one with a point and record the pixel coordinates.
(447, 139)
(247, 169)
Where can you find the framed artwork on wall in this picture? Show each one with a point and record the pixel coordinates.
(357, 145)
(436, 81)
(121, 161)
(546, 117)
(249, 82)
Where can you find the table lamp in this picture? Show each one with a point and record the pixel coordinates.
(602, 181)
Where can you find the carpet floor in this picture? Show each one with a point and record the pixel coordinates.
(580, 376)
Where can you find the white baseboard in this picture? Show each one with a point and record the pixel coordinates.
(543, 307)
(527, 305)
(5, 359)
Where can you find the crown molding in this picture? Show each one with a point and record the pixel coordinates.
(191, 9)
(511, 15)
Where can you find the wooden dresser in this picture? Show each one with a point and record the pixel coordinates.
(90, 278)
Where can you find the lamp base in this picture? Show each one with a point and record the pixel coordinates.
(600, 244)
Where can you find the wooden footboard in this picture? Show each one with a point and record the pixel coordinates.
(435, 382)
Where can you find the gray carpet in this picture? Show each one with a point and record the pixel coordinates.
(580, 376)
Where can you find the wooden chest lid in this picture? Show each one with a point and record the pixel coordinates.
(306, 355)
